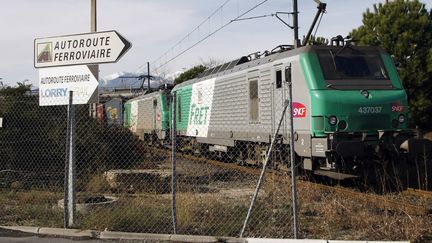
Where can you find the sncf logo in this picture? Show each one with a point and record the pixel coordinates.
(397, 107)
(299, 110)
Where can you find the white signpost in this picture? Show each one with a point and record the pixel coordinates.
(56, 83)
(91, 48)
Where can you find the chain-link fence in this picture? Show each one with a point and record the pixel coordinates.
(124, 167)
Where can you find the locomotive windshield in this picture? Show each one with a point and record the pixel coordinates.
(350, 68)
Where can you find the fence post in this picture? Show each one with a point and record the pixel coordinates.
(173, 157)
(293, 166)
(69, 204)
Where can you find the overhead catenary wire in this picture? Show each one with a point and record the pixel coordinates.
(189, 34)
(256, 17)
(209, 35)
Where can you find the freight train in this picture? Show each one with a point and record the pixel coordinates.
(349, 107)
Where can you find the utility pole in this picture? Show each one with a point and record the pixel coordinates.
(295, 24)
(148, 77)
(93, 68)
(292, 150)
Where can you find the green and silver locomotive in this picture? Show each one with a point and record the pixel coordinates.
(347, 101)
(349, 109)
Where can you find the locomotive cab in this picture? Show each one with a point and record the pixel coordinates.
(357, 103)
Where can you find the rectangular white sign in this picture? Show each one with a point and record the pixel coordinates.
(1, 122)
(90, 48)
(56, 83)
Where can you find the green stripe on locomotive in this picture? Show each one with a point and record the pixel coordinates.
(183, 100)
(361, 114)
(127, 122)
(165, 111)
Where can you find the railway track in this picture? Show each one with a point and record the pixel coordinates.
(381, 201)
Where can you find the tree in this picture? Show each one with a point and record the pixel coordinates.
(19, 90)
(316, 40)
(190, 74)
(404, 29)
(33, 138)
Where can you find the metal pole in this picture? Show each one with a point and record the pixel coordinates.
(93, 68)
(148, 76)
(93, 23)
(295, 24)
(174, 172)
(66, 172)
(293, 166)
(263, 171)
(70, 179)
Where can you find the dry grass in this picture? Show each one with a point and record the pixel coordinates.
(140, 214)
(330, 215)
(97, 184)
(31, 208)
(322, 213)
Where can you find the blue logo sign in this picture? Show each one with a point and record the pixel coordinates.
(59, 92)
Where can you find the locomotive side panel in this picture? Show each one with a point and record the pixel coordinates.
(262, 130)
(145, 114)
(236, 107)
(148, 115)
(240, 109)
(132, 114)
(301, 109)
(183, 100)
(201, 106)
(244, 106)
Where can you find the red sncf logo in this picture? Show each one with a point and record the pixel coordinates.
(397, 107)
(299, 110)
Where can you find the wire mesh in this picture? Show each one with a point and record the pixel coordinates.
(123, 156)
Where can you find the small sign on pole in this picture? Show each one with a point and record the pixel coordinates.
(55, 84)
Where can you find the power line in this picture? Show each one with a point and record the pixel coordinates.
(256, 17)
(212, 33)
(190, 33)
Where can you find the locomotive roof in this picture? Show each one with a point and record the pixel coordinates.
(152, 94)
(244, 62)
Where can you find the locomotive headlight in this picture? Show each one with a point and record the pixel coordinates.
(332, 120)
(401, 118)
(365, 93)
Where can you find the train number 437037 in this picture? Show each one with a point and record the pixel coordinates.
(370, 109)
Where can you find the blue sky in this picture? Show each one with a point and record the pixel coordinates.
(155, 26)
